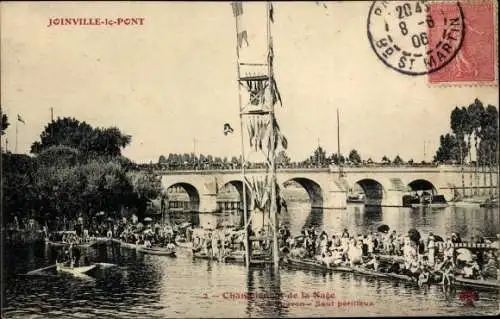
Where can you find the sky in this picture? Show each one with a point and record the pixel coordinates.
(171, 82)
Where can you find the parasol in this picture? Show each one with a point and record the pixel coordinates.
(101, 213)
(110, 219)
(464, 254)
(438, 238)
(148, 219)
(414, 235)
(383, 228)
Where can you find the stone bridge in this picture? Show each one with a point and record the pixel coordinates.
(328, 187)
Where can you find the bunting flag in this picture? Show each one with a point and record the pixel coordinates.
(261, 191)
(237, 8)
(322, 3)
(257, 88)
(20, 119)
(242, 37)
(275, 93)
(241, 32)
(271, 12)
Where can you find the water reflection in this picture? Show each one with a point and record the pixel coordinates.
(155, 286)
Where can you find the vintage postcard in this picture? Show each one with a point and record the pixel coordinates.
(249, 159)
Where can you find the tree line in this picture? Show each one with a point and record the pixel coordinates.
(319, 158)
(473, 123)
(75, 170)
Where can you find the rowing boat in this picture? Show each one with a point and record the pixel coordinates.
(63, 244)
(479, 284)
(309, 264)
(305, 264)
(231, 258)
(128, 245)
(74, 270)
(159, 251)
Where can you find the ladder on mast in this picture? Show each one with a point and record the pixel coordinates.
(262, 74)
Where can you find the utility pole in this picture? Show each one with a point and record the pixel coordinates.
(341, 171)
(425, 158)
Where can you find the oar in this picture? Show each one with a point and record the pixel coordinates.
(40, 270)
(106, 265)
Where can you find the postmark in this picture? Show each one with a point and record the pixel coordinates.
(412, 37)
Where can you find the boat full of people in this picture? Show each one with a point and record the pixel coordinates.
(65, 238)
(397, 256)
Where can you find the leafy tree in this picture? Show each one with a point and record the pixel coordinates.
(448, 150)
(354, 157)
(319, 157)
(398, 161)
(386, 160)
(282, 158)
(336, 159)
(5, 123)
(458, 125)
(59, 156)
(91, 142)
(19, 195)
(476, 111)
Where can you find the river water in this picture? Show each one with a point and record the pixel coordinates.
(144, 286)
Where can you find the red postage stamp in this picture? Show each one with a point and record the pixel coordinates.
(475, 62)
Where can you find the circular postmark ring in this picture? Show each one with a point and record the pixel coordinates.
(412, 38)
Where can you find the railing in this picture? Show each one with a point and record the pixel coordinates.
(258, 166)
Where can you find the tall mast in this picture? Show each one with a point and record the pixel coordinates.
(259, 83)
(341, 173)
(243, 179)
(273, 209)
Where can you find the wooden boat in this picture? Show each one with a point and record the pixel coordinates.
(74, 270)
(433, 205)
(159, 251)
(356, 198)
(309, 264)
(128, 245)
(233, 258)
(63, 244)
(478, 284)
(203, 256)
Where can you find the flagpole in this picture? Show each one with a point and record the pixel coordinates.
(273, 208)
(243, 180)
(17, 122)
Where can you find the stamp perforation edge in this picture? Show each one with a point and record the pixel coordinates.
(493, 83)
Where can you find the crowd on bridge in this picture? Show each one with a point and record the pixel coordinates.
(293, 165)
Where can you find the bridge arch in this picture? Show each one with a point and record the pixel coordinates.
(422, 185)
(373, 191)
(238, 185)
(176, 202)
(313, 189)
